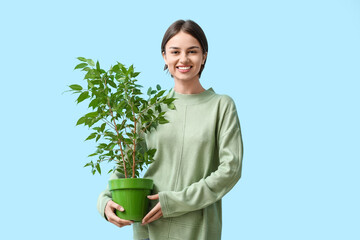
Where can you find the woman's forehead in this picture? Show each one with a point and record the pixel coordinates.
(182, 40)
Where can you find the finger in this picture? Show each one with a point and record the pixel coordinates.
(151, 213)
(153, 197)
(123, 222)
(120, 224)
(114, 205)
(156, 216)
(118, 221)
(112, 217)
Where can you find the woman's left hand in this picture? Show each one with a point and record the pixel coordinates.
(155, 213)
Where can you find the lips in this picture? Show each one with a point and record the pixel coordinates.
(184, 69)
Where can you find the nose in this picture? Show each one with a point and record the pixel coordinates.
(184, 58)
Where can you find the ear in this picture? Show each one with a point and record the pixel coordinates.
(204, 58)
(164, 56)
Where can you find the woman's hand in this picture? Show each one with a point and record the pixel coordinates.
(110, 208)
(155, 213)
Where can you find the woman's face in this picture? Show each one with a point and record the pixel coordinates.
(184, 57)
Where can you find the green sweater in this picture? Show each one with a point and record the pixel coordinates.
(198, 160)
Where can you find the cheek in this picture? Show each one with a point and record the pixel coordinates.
(171, 62)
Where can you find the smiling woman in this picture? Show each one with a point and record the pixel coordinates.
(199, 152)
(184, 58)
(184, 49)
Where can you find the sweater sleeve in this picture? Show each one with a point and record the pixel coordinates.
(212, 188)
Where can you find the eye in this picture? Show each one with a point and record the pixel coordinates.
(192, 51)
(174, 52)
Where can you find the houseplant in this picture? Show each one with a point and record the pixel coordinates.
(120, 116)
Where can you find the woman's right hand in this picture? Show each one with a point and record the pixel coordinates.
(110, 208)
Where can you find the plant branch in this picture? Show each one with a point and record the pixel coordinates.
(117, 132)
(134, 139)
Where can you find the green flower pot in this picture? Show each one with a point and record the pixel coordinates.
(131, 194)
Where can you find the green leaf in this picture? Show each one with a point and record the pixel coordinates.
(93, 154)
(91, 85)
(131, 69)
(91, 136)
(81, 121)
(97, 65)
(98, 168)
(151, 151)
(111, 146)
(123, 69)
(127, 141)
(76, 87)
(168, 100)
(171, 106)
(163, 121)
(160, 93)
(115, 68)
(153, 100)
(88, 164)
(82, 59)
(91, 62)
(83, 96)
(81, 65)
(94, 103)
(102, 128)
(149, 91)
(158, 87)
(92, 114)
(102, 145)
(111, 83)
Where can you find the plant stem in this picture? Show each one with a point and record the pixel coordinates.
(117, 131)
(134, 142)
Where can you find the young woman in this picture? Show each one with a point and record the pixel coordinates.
(199, 153)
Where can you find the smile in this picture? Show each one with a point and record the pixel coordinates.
(184, 68)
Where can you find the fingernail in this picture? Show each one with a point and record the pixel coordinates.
(122, 209)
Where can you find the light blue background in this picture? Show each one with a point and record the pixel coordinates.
(292, 68)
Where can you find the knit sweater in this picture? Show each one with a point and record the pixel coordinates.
(198, 160)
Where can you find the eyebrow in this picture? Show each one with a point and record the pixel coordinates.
(192, 47)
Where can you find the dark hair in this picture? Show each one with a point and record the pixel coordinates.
(189, 27)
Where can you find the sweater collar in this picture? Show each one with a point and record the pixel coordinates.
(189, 99)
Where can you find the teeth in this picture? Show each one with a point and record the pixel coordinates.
(184, 68)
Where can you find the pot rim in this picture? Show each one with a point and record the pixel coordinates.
(130, 183)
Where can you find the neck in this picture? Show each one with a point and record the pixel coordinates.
(188, 87)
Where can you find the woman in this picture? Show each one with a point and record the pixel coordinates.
(199, 153)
